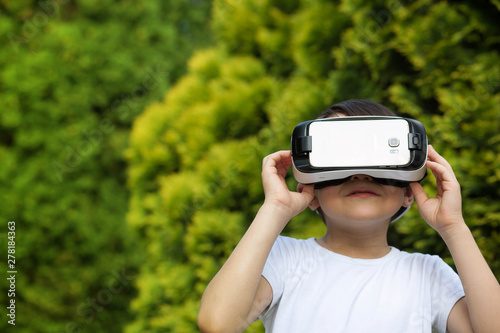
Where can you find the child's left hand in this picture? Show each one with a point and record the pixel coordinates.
(445, 211)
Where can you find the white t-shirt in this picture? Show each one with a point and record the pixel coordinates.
(316, 290)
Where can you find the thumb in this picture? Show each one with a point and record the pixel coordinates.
(418, 193)
(307, 191)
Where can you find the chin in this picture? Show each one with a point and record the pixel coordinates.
(370, 218)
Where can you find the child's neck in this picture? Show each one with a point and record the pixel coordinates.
(356, 245)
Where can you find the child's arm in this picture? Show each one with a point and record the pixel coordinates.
(479, 311)
(238, 294)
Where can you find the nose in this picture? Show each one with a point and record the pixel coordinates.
(361, 177)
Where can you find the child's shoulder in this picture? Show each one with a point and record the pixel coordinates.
(290, 242)
(294, 247)
(421, 260)
(293, 241)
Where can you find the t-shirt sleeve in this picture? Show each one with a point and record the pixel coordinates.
(276, 268)
(446, 290)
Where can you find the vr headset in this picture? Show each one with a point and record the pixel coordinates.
(391, 150)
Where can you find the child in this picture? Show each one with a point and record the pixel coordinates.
(351, 280)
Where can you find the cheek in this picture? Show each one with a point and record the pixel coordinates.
(327, 196)
(397, 195)
(327, 193)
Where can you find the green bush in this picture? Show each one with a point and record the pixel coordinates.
(195, 158)
(73, 75)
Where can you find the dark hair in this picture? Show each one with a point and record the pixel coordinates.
(357, 107)
(354, 107)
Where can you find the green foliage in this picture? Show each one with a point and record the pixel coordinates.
(73, 75)
(195, 158)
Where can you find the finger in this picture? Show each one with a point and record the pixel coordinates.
(437, 171)
(418, 193)
(278, 160)
(284, 162)
(444, 176)
(278, 155)
(434, 156)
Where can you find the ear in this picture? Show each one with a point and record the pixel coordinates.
(408, 197)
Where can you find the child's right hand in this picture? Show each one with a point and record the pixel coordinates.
(274, 169)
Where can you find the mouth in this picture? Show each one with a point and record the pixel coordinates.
(362, 193)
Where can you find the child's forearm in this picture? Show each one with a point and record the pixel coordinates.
(482, 290)
(228, 298)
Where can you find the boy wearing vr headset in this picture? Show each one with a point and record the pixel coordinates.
(351, 280)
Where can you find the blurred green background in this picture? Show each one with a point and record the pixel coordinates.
(132, 134)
